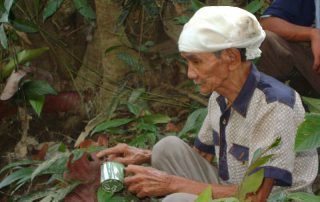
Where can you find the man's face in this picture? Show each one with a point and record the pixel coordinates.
(206, 70)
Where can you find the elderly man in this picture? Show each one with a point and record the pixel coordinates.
(292, 45)
(247, 110)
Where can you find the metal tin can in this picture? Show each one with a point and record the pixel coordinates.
(112, 176)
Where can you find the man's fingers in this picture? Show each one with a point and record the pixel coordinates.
(134, 169)
(118, 149)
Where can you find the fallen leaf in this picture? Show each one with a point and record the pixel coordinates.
(12, 85)
(170, 127)
(40, 154)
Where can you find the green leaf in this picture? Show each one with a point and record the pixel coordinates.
(25, 26)
(194, 121)
(196, 5)
(250, 184)
(257, 154)
(103, 196)
(303, 197)
(108, 50)
(18, 164)
(110, 124)
(205, 196)
(135, 94)
(254, 6)
(308, 134)
(313, 104)
(59, 194)
(276, 143)
(37, 104)
(34, 196)
(131, 62)
(47, 164)
(36, 89)
(156, 118)
(259, 162)
(17, 175)
(280, 196)
(85, 9)
(181, 20)
(5, 16)
(51, 7)
(3, 37)
(22, 57)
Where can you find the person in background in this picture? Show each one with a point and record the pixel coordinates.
(247, 110)
(292, 46)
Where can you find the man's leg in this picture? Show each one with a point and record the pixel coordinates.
(175, 157)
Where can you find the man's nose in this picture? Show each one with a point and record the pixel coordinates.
(191, 73)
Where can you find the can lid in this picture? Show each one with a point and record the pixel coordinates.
(112, 185)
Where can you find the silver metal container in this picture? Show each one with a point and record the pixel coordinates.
(112, 176)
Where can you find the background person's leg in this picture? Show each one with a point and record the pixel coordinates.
(175, 157)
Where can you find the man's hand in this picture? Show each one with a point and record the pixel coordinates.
(125, 154)
(146, 181)
(315, 45)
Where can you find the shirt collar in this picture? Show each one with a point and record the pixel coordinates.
(241, 103)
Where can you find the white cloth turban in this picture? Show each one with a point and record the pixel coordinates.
(216, 28)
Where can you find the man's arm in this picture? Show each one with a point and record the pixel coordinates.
(292, 32)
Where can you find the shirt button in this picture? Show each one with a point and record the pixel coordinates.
(224, 122)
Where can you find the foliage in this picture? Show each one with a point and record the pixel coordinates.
(193, 123)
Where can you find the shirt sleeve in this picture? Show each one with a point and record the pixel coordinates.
(277, 121)
(299, 12)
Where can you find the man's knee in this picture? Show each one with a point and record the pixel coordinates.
(180, 197)
(165, 148)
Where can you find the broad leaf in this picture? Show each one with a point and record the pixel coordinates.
(280, 196)
(15, 176)
(51, 7)
(313, 104)
(3, 37)
(18, 164)
(110, 124)
(85, 9)
(205, 196)
(104, 196)
(156, 118)
(261, 161)
(34, 89)
(254, 6)
(43, 167)
(194, 121)
(22, 57)
(25, 26)
(303, 197)
(37, 104)
(250, 184)
(5, 16)
(308, 134)
(196, 5)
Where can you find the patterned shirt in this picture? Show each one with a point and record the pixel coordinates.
(264, 110)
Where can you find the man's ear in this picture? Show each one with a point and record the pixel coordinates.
(232, 57)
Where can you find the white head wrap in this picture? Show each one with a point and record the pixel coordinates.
(216, 28)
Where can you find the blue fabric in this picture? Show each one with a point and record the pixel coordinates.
(203, 147)
(282, 177)
(317, 9)
(299, 12)
(240, 152)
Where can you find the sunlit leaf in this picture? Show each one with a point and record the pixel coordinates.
(250, 184)
(156, 118)
(259, 162)
(22, 57)
(5, 16)
(110, 124)
(3, 37)
(18, 164)
(85, 9)
(34, 89)
(313, 104)
(205, 196)
(303, 197)
(17, 175)
(37, 104)
(308, 134)
(25, 26)
(51, 7)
